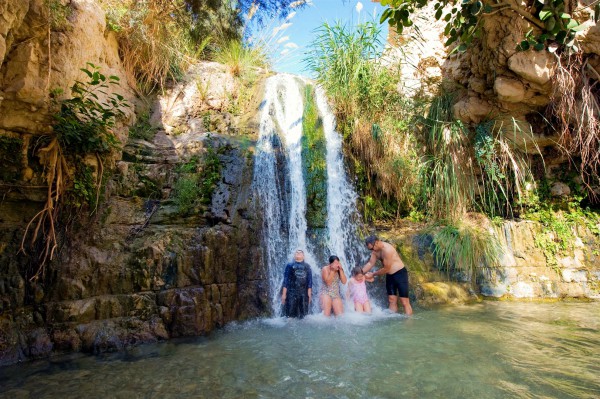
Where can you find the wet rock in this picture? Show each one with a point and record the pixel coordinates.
(574, 275)
(39, 343)
(522, 290)
(189, 311)
(437, 292)
(66, 340)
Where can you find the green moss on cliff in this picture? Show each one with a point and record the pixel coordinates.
(314, 153)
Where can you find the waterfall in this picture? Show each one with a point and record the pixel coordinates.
(342, 215)
(281, 189)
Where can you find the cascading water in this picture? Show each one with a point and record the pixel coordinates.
(283, 209)
(281, 188)
(342, 216)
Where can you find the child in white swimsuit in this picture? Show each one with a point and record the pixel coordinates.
(358, 290)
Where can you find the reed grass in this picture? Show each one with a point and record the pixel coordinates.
(465, 247)
(373, 115)
(159, 39)
(240, 58)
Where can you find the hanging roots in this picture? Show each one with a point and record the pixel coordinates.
(575, 104)
(56, 169)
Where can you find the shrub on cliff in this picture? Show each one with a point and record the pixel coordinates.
(159, 39)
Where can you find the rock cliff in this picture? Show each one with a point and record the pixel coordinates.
(146, 266)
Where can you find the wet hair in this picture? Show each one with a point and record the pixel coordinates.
(356, 271)
(371, 239)
(333, 258)
(299, 250)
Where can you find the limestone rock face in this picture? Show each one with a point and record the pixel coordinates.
(185, 108)
(421, 70)
(492, 78)
(560, 189)
(473, 108)
(35, 59)
(525, 271)
(12, 14)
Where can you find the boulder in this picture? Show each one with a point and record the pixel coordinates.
(533, 66)
(509, 90)
(473, 109)
(560, 189)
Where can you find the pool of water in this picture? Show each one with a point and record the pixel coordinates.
(487, 350)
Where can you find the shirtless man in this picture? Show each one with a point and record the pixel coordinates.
(396, 280)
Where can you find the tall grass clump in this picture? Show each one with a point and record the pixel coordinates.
(447, 176)
(154, 44)
(372, 115)
(240, 58)
(342, 58)
(159, 39)
(466, 248)
(472, 169)
(505, 176)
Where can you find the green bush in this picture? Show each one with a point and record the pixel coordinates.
(186, 193)
(83, 123)
(198, 178)
(143, 129)
(210, 175)
(560, 227)
(83, 190)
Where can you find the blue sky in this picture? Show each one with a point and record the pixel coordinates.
(287, 40)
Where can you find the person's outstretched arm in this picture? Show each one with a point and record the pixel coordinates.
(369, 265)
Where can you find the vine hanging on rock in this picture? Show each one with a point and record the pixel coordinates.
(83, 126)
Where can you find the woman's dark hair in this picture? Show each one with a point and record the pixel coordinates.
(333, 258)
(356, 271)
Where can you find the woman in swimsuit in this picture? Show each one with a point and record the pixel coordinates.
(331, 297)
(358, 290)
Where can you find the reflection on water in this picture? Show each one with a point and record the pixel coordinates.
(489, 350)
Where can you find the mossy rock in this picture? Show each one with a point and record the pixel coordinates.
(437, 293)
(314, 165)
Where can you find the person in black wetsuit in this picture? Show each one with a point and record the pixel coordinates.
(296, 295)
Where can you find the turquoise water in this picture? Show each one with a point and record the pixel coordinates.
(487, 350)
